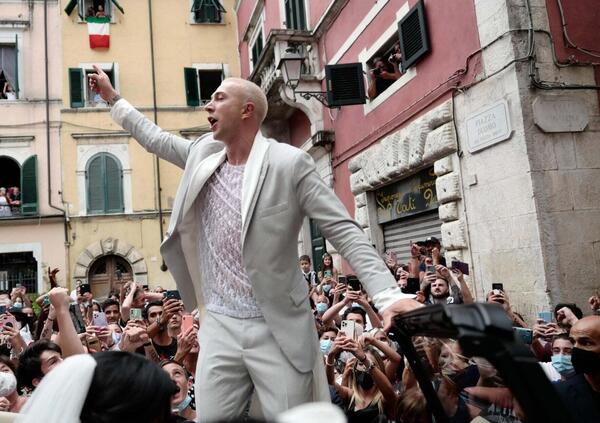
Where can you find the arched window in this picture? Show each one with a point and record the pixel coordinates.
(21, 185)
(104, 184)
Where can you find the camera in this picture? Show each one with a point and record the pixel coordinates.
(376, 71)
(393, 58)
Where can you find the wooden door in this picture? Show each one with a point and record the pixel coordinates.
(109, 273)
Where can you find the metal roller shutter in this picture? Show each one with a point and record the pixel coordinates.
(397, 235)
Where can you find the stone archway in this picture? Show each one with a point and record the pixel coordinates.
(106, 247)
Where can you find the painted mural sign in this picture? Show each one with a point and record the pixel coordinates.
(408, 197)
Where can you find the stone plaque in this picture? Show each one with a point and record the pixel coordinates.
(560, 114)
(488, 126)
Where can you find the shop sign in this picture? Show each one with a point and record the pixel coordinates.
(405, 198)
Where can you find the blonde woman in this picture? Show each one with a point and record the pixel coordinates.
(4, 204)
(368, 394)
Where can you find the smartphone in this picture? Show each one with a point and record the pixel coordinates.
(497, 286)
(524, 334)
(405, 267)
(7, 320)
(462, 266)
(342, 279)
(135, 314)
(77, 318)
(546, 316)
(431, 269)
(99, 319)
(354, 283)
(173, 295)
(187, 321)
(46, 301)
(327, 274)
(348, 328)
(93, 343)
(2, 309)
(84, 288)
(412, 286)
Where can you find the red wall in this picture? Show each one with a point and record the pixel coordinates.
(299, 128)
(453, 36)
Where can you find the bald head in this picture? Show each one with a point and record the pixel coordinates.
(251, 92)
(586, 334)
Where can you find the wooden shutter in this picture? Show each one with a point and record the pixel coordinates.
(412, 31)
(70, 6)
(29, 195)
(192, 96)
(76, 87)
(317, 242)
(16, 87)
(295, 15)
(114, 186)
(95, 185)
(118, 6)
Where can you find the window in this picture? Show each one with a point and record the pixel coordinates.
(87, 8)
(207, 11)
(18, 268)
(256, 43)
(9, 71)
(295, 14)
(201, 81)
(80, 93)
(104, 179)
(21, 187)
(384, 67)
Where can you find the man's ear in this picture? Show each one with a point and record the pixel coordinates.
(35, 382)
(249, 110)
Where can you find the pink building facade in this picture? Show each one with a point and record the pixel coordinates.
(469, 143)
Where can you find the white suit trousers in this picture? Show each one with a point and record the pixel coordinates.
(237, 355)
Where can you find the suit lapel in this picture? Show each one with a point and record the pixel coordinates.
(203, 171)
(254, 176)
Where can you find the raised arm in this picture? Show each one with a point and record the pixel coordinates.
(165, 145)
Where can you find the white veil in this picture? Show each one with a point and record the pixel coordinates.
(61, 394)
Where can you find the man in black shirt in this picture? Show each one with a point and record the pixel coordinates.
(581, 393)
(164, 344)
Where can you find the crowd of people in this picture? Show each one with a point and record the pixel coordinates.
(10, 201)
(136, 337)
(371, 381)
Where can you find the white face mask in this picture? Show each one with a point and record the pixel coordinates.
(8, 383)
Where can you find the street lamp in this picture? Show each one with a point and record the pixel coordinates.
(290, 65)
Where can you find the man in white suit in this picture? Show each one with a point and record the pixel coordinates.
(232, 249)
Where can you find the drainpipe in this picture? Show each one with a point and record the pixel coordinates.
(47, 102)
(163, 266)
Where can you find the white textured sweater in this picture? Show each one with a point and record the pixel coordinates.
(225, 284)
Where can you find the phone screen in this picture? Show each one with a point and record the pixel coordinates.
(173, 295)
(498, 286)
(135, 314)
(526, 335)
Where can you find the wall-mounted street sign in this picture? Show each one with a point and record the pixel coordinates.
(488, 126)
(560, 114)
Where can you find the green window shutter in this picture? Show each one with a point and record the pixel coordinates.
(16, 87)
(114, 186)
(29, 200)
(76, 87)
(70, 6)
(192, 96)
(95, 185)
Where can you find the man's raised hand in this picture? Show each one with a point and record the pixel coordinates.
(100, 83)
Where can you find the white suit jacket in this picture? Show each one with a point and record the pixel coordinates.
(280, 188)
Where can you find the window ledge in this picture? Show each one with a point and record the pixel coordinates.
(381, 98)
(208, 23)
(141, 109)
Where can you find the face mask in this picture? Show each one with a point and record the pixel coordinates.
(325, 345)
(116, 337)
(182, 405)
(322, 308)
(18, 305)
(364, 380)
(326, 288)
(8, 383)
(585, 361)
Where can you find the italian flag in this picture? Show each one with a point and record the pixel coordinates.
(99, 31)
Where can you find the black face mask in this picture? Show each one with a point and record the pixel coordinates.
(467, 377)
(364, 380)
(585, 361)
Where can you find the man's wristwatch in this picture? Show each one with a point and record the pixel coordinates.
(114, 99)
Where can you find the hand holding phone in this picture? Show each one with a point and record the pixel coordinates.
(461, 266)
(135, 314)
(99, 319)
(348, 327)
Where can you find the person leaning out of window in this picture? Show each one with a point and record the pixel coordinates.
(384, 73)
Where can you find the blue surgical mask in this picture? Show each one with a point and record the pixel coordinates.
(325, 345)
(562, 364)
(326, 288)
(322, 308)
(182, 405)
(18, 305)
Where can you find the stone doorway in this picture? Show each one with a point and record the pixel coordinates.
(109, 273)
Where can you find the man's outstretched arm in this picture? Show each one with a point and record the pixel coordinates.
(164, 144)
